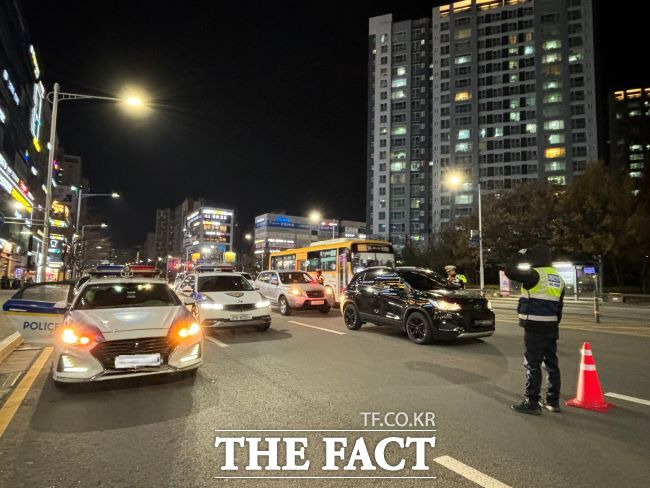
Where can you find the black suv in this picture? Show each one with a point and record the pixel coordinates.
(420, 301)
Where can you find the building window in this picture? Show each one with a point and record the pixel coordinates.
(400, 166)
(557, 180)
(554, 152)
(555, 139)
(464, 199)
(398, 82)
(552, 85)
(398, 130)
(401, 71)
(462, 96)
(554, 166)
(463, 59)
(554, 125)
(398, 94)
(531, 128)
(552, 44)
(551, 58)
(554, 97)
(462, 33)
(463, 147)
(463, 134)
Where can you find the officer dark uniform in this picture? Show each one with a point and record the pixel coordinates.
(539, 311)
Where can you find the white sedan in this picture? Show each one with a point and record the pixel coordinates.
(224, 299)
(114, 328)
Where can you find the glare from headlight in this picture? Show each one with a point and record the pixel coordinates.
(193, 329)
(445, 305)
(262, 304)
(328, 290)
(212, 306)
(296, 291)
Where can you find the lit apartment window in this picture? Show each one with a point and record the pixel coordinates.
(498, 131)
(552, 166)
(531, 128)
(575, 55)
(398, 130)
(397, 95)
(554, 152)
(552, 44)
(462, 96)
(551, 58)
(636, 147)
(463, 199)
(383, 38)
(464, 134)
(398, 82)
(554, 125)
(462, 33)
(555, 139)
(552, 85)
(528, 50)
(557, 180)
(401, 166)
(401, 71)
(554, 97)
(514, 116)
(636, 174)
(463, 147)
(463, 59)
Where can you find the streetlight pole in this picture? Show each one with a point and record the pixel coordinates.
(42, 270)
(57, 96)
(480, 238)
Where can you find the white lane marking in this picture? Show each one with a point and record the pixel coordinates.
(628, 398)
(315, 327)
(469, 473)
(218, 343)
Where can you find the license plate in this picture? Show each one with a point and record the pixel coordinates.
(242, 317)
(137, 360)
(482, 322)
(318, 302)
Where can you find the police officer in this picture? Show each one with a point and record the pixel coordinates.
(454, 278)
(319, 277)
(539, 311)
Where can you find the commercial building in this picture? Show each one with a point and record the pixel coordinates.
(170, 227)
(629, 130)
(24, 128)
(67, 171)
(275, 232)
(208, 234)
(512, 90)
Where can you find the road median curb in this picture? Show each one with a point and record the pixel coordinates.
(8, 345)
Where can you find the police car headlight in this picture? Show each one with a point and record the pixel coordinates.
(262, 304)
(80, 335)
(445, 306)
(212, 306)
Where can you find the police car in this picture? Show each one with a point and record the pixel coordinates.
(117, 325)
(226, 299)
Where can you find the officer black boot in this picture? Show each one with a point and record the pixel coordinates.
(526, 406)
(551, 406)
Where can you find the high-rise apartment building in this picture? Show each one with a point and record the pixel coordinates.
(512, 90)
(399, 129)
(629, 130)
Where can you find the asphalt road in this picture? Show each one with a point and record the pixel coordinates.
(309, 372)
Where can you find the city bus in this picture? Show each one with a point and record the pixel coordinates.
(338, 259)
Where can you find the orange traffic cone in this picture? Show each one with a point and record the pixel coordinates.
(590, 395)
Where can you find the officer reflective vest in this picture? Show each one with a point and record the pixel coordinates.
(462, 279)
(542, 302)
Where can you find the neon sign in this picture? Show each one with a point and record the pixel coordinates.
(35, 119)
(10, 87)
(37, 71)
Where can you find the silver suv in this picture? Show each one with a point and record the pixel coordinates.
(292, 290)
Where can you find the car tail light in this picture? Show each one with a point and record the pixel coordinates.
(82, 335)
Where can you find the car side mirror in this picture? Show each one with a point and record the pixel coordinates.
(61, 305)
(188, 301)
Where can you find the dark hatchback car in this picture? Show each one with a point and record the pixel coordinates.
(419, 301)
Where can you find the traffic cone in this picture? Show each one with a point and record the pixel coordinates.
(590, 395)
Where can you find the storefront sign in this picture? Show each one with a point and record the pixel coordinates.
(10, 86)
(37, 71)
(13, 185)
(35, 119)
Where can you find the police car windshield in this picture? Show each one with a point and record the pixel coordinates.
(295, 278)
(427, 281)
(223, 283)
(119, 295)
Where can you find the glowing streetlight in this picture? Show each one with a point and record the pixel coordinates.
(248, 237)
(315, 217)
(115, 195)
(455, 181)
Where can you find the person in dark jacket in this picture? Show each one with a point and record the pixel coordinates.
(540, 312)
(4, 282)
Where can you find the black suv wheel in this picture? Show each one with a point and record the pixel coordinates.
(351, 317)
(418, 328)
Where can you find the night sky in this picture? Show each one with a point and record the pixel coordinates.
(258, 107)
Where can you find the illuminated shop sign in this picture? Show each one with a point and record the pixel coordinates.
(35, 119)
(10, 86)
(14, 186)
(58, 223)
(37, 71)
